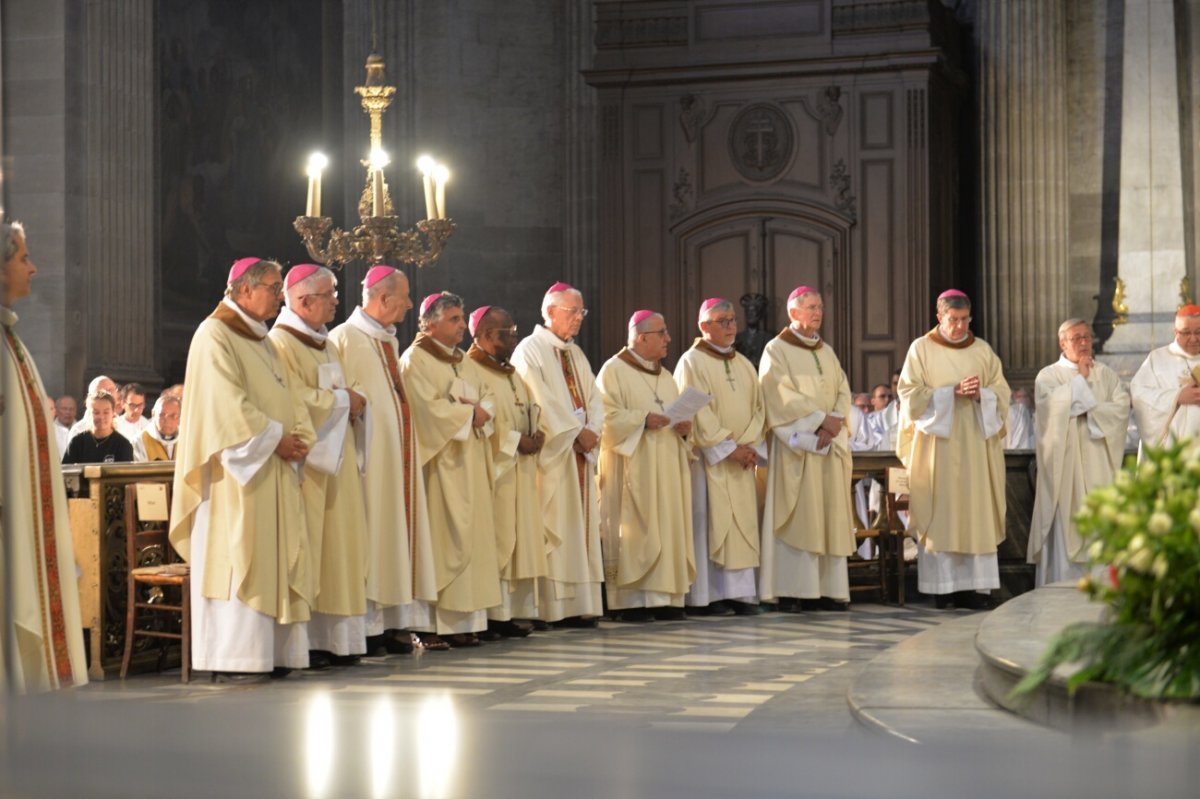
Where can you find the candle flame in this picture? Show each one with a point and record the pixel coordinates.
(316, 164)
(441, 173)
(426, 164)
(379, 159)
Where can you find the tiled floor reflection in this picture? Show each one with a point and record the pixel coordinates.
(777, 671)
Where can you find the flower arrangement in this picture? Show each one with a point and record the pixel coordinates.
(1143, 535)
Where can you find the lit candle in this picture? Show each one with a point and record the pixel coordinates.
(440, 175)
(316, 164)
(426, 164)
(378, 160)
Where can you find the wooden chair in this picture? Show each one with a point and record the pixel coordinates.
(895, 502)
(154, 564)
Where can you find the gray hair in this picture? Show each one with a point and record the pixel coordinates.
(8, 234)
(437, 308)
(385, 286)
(552, 299)
(305, 286)
(1070, 323)
(954, 303)
(642, 327)
(165, 400)
(723, 305)
(794, 302)
(253, 275)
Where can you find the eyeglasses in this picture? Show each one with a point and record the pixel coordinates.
(661, 332)
(137, 406)
(276, 288)
(328, 295)
(1188, 333)
(573, 312)
(729, 321)
(506, 331)
(962, 320)
(1081, 339)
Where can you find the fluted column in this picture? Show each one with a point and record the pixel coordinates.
(1023, 204)
(119, 260)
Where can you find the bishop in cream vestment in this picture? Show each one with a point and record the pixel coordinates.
(645, 487)
(1080, 427)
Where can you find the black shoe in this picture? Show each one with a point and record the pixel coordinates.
(810, 604)
(376, 646)
(510, 629)
(398, 642)
(746, 608)
(459, 640)
(578, 623)
(345, 660)
(633, 615)
(943, 601)
(828, 603)
(319, 660)
(789, 605)
(669, 613)
(538, 625)
(489, 634)
(241, 677)
(279, 672)
(720, 608)
(973, 600)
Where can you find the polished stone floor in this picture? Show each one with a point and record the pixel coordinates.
(773, 672)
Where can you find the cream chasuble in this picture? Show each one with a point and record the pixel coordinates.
(1080, 426)
(151, 446)
(807, 523)
(560, 381)
(333, 502)
(953, 448)
(257, 545)
(43, 629)
(400, 574)
(645, 489)
(1154, 389)
(521, 537)
(736, 415)
(457, 462)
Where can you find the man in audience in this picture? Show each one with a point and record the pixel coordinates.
(157, 441)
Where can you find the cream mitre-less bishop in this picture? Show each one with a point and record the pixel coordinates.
(237, 513)
(1081, 418)
(728, 433)
(521, 536)
(332, 488)
(1166, 388)
(401, 588)
(560, 379)
(807, 523)
(953, 403)
(43, 625)
(452, 413)
(645, 487)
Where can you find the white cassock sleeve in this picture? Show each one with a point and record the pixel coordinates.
(986, 412)
(326, 454)
(244, 460)
(938, 419)
(719, 451)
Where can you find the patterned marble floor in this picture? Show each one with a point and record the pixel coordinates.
(774, 672)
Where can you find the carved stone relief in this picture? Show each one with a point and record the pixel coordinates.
(761, 141)
(839, 181)
(829, 109)
(682, 193)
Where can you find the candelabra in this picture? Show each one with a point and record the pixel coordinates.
(379, 239)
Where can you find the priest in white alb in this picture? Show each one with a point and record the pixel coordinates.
(520, 526)
(333, 497)
(729, 435)
(807, 523)
(452, 413)
(237, 514)
(953, 403)
(561, 382)
(1166, 388)
(645, 484)
(157, 441)
(401, 589)
(41, 632)
(1081, 419)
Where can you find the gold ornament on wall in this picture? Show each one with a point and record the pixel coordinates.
(1120, 309)
(1185, 292)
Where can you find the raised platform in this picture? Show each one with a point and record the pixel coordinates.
(954, 680)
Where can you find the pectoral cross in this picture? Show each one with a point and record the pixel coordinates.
(661, 407)
(729, 376)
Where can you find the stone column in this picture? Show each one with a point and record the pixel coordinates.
(119, 258)
(1152, 253)
(1023, 203)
